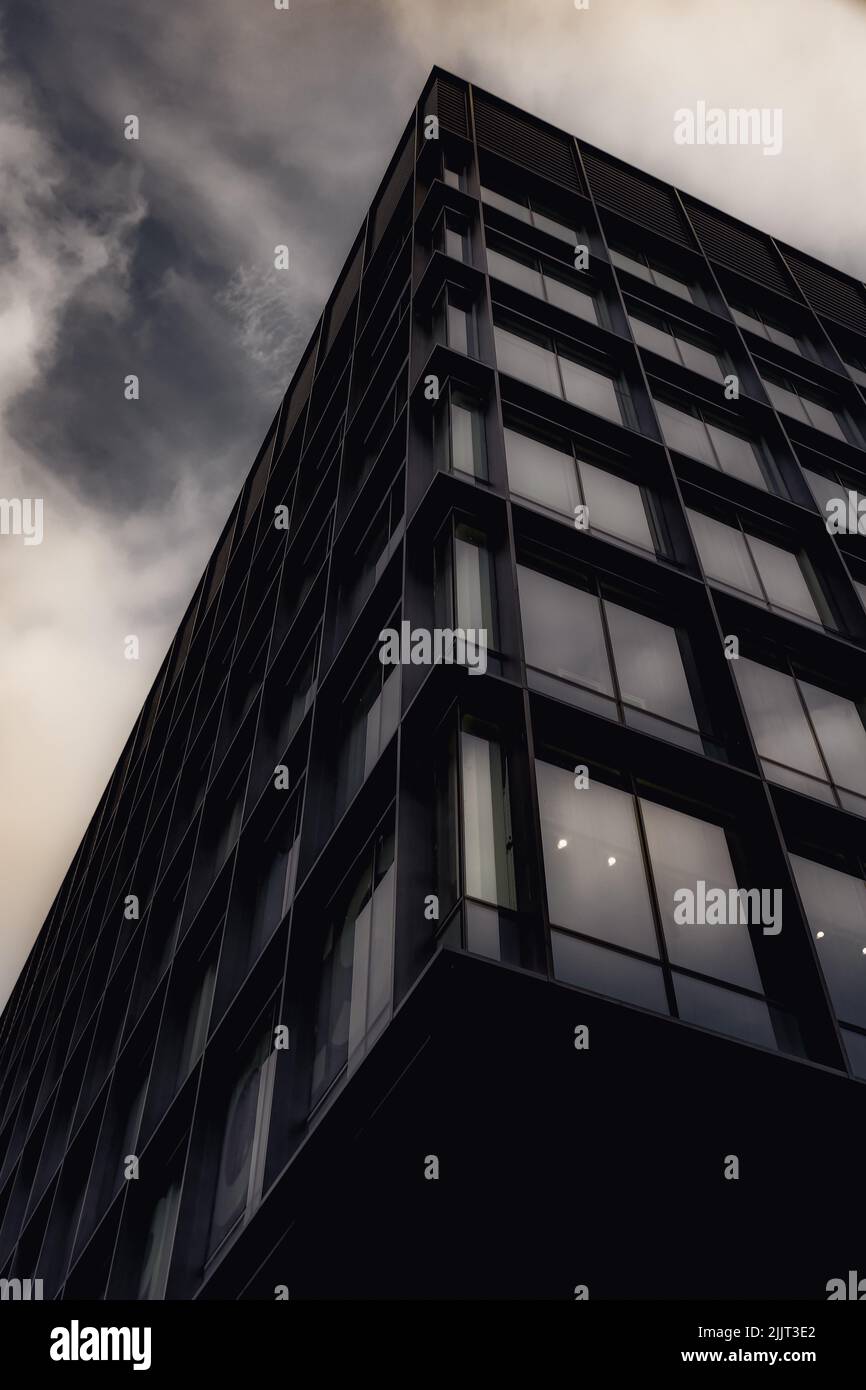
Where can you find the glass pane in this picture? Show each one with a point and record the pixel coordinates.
(841, 735)
(776, 717)
(671, 284)
(748, 322)
(783, 339)
(798, 781)
(855, 1046)
(737, 456)
(590, 389)
(571, 298)
(724, 554)
(835, 905)
(554, 228)
(608, 972)
(648, 665)
(858, 373)
(786, 401)
(783, 579)
(524, 277)
(724, 1011)
(823, 419)
(824, 489)
(684, 433)
(456, 243)
(527, 361)
(467, 439)
(647, 335)
(562, 631)
(624, 262)
(615, 505)
(593, 862)
(548, 476)
(458, 329)
(499, 200)
(487, 845)
(700, 360)
(686, 853)
(473, 584)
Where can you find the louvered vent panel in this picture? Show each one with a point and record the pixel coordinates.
(448, 102)
(390, 195)
(738, 248)
(537, 147)
(635, 196)
(828, 293)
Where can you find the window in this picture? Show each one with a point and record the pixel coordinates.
(455, 323)
(638, 264)
(659, 336)
(835, 905)
(613, 863)
(453, 173)
(567, 635)
(808, 738)
(242, 1156)
(197, 1023)
(857, 369)
(689, 433)
(355, 983)
(529, 211)
(374, 550)
(157, 1250)
(533, 275)
(788, 399)
(776, 577)
(830, 489)
(459, 439)
(469, 584)
(756, 322)
(371, 713)
(488, 848)
(276, 883)
(536, 362)
(453, 237)
(297, 698)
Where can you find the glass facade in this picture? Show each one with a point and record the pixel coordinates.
(311, 831)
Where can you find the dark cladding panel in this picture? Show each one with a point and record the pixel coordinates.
(828, 292)
(739, 248)
(534, 145)
(634, 195)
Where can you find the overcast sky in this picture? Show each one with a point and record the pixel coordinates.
(155, 257)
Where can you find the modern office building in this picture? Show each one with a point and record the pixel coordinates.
(373, 980)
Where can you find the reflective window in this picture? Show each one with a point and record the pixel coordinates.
(567, 634)
(756, 322)
(808, 737)
(459, 437)
(790, 401)
(488, 848)
(662, 338)
(600, 885)
(370, 718)
(835, 905)
(540, 366)
(637, 264)
(684, 850)
(594, 870)
(857, 370)
(731, 453)
(536, 277)
(531, 211)
(355, 988)
(764, 571)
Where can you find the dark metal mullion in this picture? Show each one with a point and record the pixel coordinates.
(608, 642)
